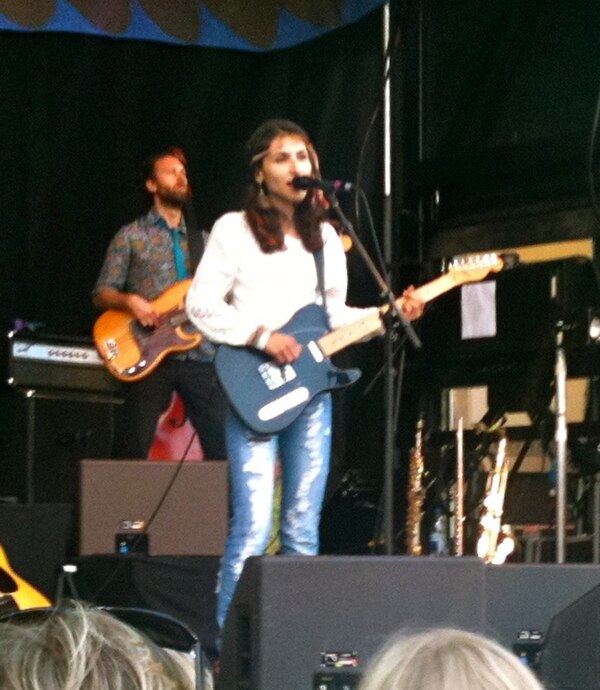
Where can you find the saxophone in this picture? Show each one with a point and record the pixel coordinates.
(415, 494)
(493, 505)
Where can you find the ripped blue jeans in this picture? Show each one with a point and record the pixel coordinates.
(304, 450)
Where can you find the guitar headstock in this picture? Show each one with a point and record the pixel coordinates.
(471, 268)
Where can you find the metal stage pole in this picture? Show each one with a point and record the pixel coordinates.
(388, 402)
(390, 380)
(560, 437)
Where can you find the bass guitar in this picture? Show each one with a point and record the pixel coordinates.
(15, 592)
(132, 351)
(268, 396)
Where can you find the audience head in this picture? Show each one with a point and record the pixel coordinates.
(78, 647)
(446, 659)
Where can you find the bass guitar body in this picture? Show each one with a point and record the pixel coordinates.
(268, 396)
(15, 592)
(132, 351)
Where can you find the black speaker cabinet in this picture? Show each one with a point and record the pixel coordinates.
(182, 586)
(38, 541)
(571, 656)
(118, 497)
(52, 432)
(292, 613)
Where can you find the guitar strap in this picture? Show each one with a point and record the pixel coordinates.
(195, 236)
(320, 266)
(196, 249)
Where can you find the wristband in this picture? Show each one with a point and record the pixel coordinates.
(262, 338)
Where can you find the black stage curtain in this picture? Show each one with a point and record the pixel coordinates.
(506, 93)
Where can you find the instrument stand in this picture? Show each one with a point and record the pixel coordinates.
(391, 320)
(560, 439)
(66, 583)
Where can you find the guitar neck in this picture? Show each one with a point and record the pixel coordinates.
(371, 324)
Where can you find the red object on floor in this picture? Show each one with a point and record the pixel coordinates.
(175, 435)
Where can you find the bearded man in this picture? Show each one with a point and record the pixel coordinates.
(143, 260)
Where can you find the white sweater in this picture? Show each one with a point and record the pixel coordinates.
(238, 288)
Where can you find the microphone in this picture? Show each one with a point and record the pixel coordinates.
(325, 185)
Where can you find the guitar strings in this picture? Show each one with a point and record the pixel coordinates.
(125, 336)
(125, 331)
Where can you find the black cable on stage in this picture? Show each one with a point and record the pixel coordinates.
(121, 564)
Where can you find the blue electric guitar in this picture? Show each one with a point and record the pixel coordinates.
(268, 396)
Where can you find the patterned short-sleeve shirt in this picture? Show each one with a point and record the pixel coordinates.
(140, 258)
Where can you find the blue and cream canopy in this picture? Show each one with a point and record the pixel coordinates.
(256, 25)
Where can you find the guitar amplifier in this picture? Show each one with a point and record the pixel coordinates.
(51, 362)
(118, 497)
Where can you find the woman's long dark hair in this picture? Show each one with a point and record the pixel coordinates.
(265, 221)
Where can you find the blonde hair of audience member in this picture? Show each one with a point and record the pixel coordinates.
(83, 648)
(446, 659)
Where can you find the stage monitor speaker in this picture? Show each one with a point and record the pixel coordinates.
(294, 617)
(526, 597)
(182, 586)
(570, 658)
(119, 496)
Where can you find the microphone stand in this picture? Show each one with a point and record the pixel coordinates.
(391, 319)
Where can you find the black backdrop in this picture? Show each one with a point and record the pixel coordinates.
(507, 96)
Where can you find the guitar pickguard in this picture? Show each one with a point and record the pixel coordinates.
(132, 351)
